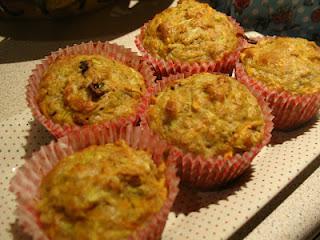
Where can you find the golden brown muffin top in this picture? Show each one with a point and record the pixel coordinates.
(102, 192)
(190, 32)
(88, 89)
(284, 64)
(208, 114)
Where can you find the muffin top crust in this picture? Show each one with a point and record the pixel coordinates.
(102, 192)
(208, 115)
(88, 89)
(284, 64)
(190, 32)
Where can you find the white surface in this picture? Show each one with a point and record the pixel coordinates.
(196, 215)
(298, 217)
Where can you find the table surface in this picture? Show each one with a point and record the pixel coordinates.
(273, 200)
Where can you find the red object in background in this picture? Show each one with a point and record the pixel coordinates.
(315, 17)
(241, 4)
(282, 17)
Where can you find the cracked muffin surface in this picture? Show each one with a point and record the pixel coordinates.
(207, 114)
(102, 192)
(88, 89)
(284, 64)
(190, 32)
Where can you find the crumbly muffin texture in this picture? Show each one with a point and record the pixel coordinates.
(190, 32)
(103, 192)
(284, 64)
(88, 89)
(208, 115)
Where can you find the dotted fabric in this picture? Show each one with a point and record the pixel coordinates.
(301, 227)
(196, 215)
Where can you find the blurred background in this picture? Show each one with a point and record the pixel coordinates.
(46, 25)
(297, 18)
(30, 30)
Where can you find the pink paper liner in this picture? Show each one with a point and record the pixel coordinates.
(25, 184)
(210, 172)
(115, 52)
(164, 68)
(289, 111)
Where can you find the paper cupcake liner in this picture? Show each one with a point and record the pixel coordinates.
(289, 111)
(25, 184)
(115, 52)
(165, 68)
(202, 172)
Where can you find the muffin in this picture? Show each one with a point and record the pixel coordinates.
(287, 72)
(212, 118)
(89, 84)
(89, 89)
(93, 186)
(192, 33)
(101, 192)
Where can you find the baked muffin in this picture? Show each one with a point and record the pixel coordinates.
(286, 67)
(284, 64)
(191, 32)
(89, 89)
(208, 114)
(101, 192)
(89, 84)
(214, 123)
(98, 183)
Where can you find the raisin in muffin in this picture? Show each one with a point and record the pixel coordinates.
(89, 89)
